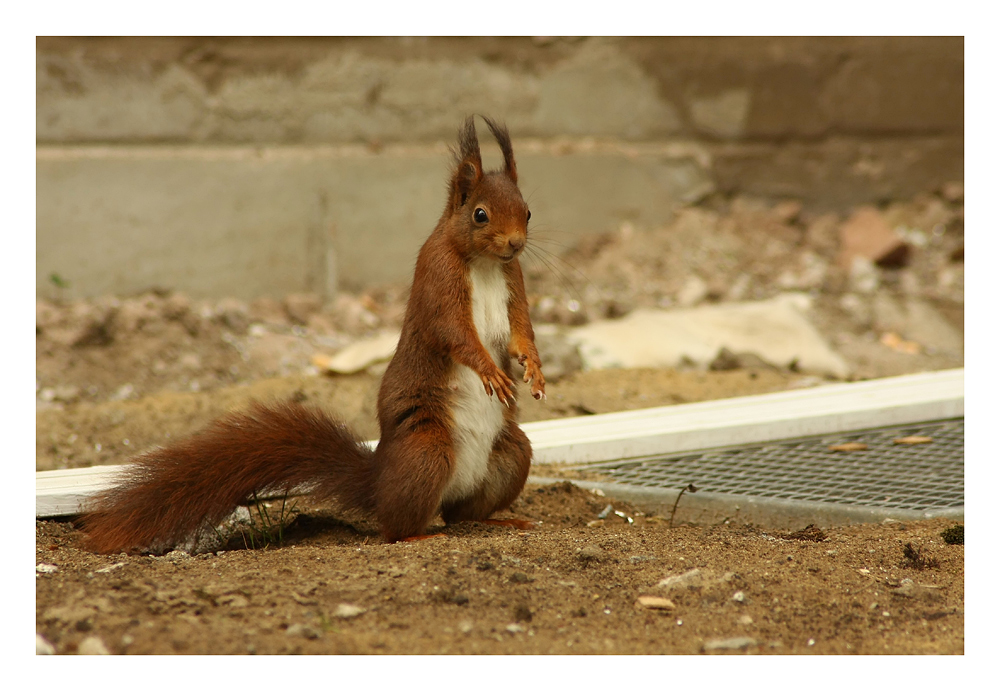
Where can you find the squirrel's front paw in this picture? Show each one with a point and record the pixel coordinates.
(500, 383)
(533, 375)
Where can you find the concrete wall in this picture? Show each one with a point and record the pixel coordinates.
(263, 166)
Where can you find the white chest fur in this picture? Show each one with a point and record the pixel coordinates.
(478, 417)
(489, 305)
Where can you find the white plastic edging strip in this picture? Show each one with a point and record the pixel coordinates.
(672, 429)
(63, 492)
(750, 419)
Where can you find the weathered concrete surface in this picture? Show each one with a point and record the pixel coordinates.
(809, 87)
(289, 90)
(213, 226)
(339, 92)
(248, 222)
(148, 172)
(839, 172)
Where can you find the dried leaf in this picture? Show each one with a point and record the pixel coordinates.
(894, 341)
(653, 602)
(849, 446)
(914, 439)
(810, 533)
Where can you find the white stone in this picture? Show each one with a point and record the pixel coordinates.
(364, 353)
(92, 645)
(42, 646)
(775, 330)
(687, 578)
(346, 611)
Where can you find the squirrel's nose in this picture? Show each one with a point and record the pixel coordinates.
(516, 243)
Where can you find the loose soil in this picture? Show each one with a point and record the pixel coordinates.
(562, 587)
(121, 374)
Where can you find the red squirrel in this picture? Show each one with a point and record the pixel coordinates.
(450, 443)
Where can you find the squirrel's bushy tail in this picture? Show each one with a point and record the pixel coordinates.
(170, 493)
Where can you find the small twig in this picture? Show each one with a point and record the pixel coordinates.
(218, 536)
(690, 488)
(281, 518)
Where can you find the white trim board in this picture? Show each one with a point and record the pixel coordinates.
(826, 409)
(671, 429)
(63, 492)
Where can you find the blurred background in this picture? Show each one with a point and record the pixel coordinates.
(259, 166)
(264, 198)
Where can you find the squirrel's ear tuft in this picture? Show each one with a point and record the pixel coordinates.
(468, 142)
(503, 139)
(469, 164)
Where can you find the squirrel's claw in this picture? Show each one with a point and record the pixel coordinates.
(500, 384)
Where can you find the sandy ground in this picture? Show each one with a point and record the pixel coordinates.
(120, 374)
(562, 587)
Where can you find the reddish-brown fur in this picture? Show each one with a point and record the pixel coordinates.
(170, 493)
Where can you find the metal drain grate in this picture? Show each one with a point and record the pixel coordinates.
(886, 475)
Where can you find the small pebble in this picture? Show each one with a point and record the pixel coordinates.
(623, 516)
(302, 630)
(592, 553)
(46, 568)
(346, 611)
(905, 589)
(687, 578)
(738, 643)
(92, 645)
(42, 646)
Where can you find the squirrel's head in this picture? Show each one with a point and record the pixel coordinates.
(486, 214)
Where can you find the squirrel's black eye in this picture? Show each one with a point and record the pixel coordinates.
(479, 216)
(529, 216)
